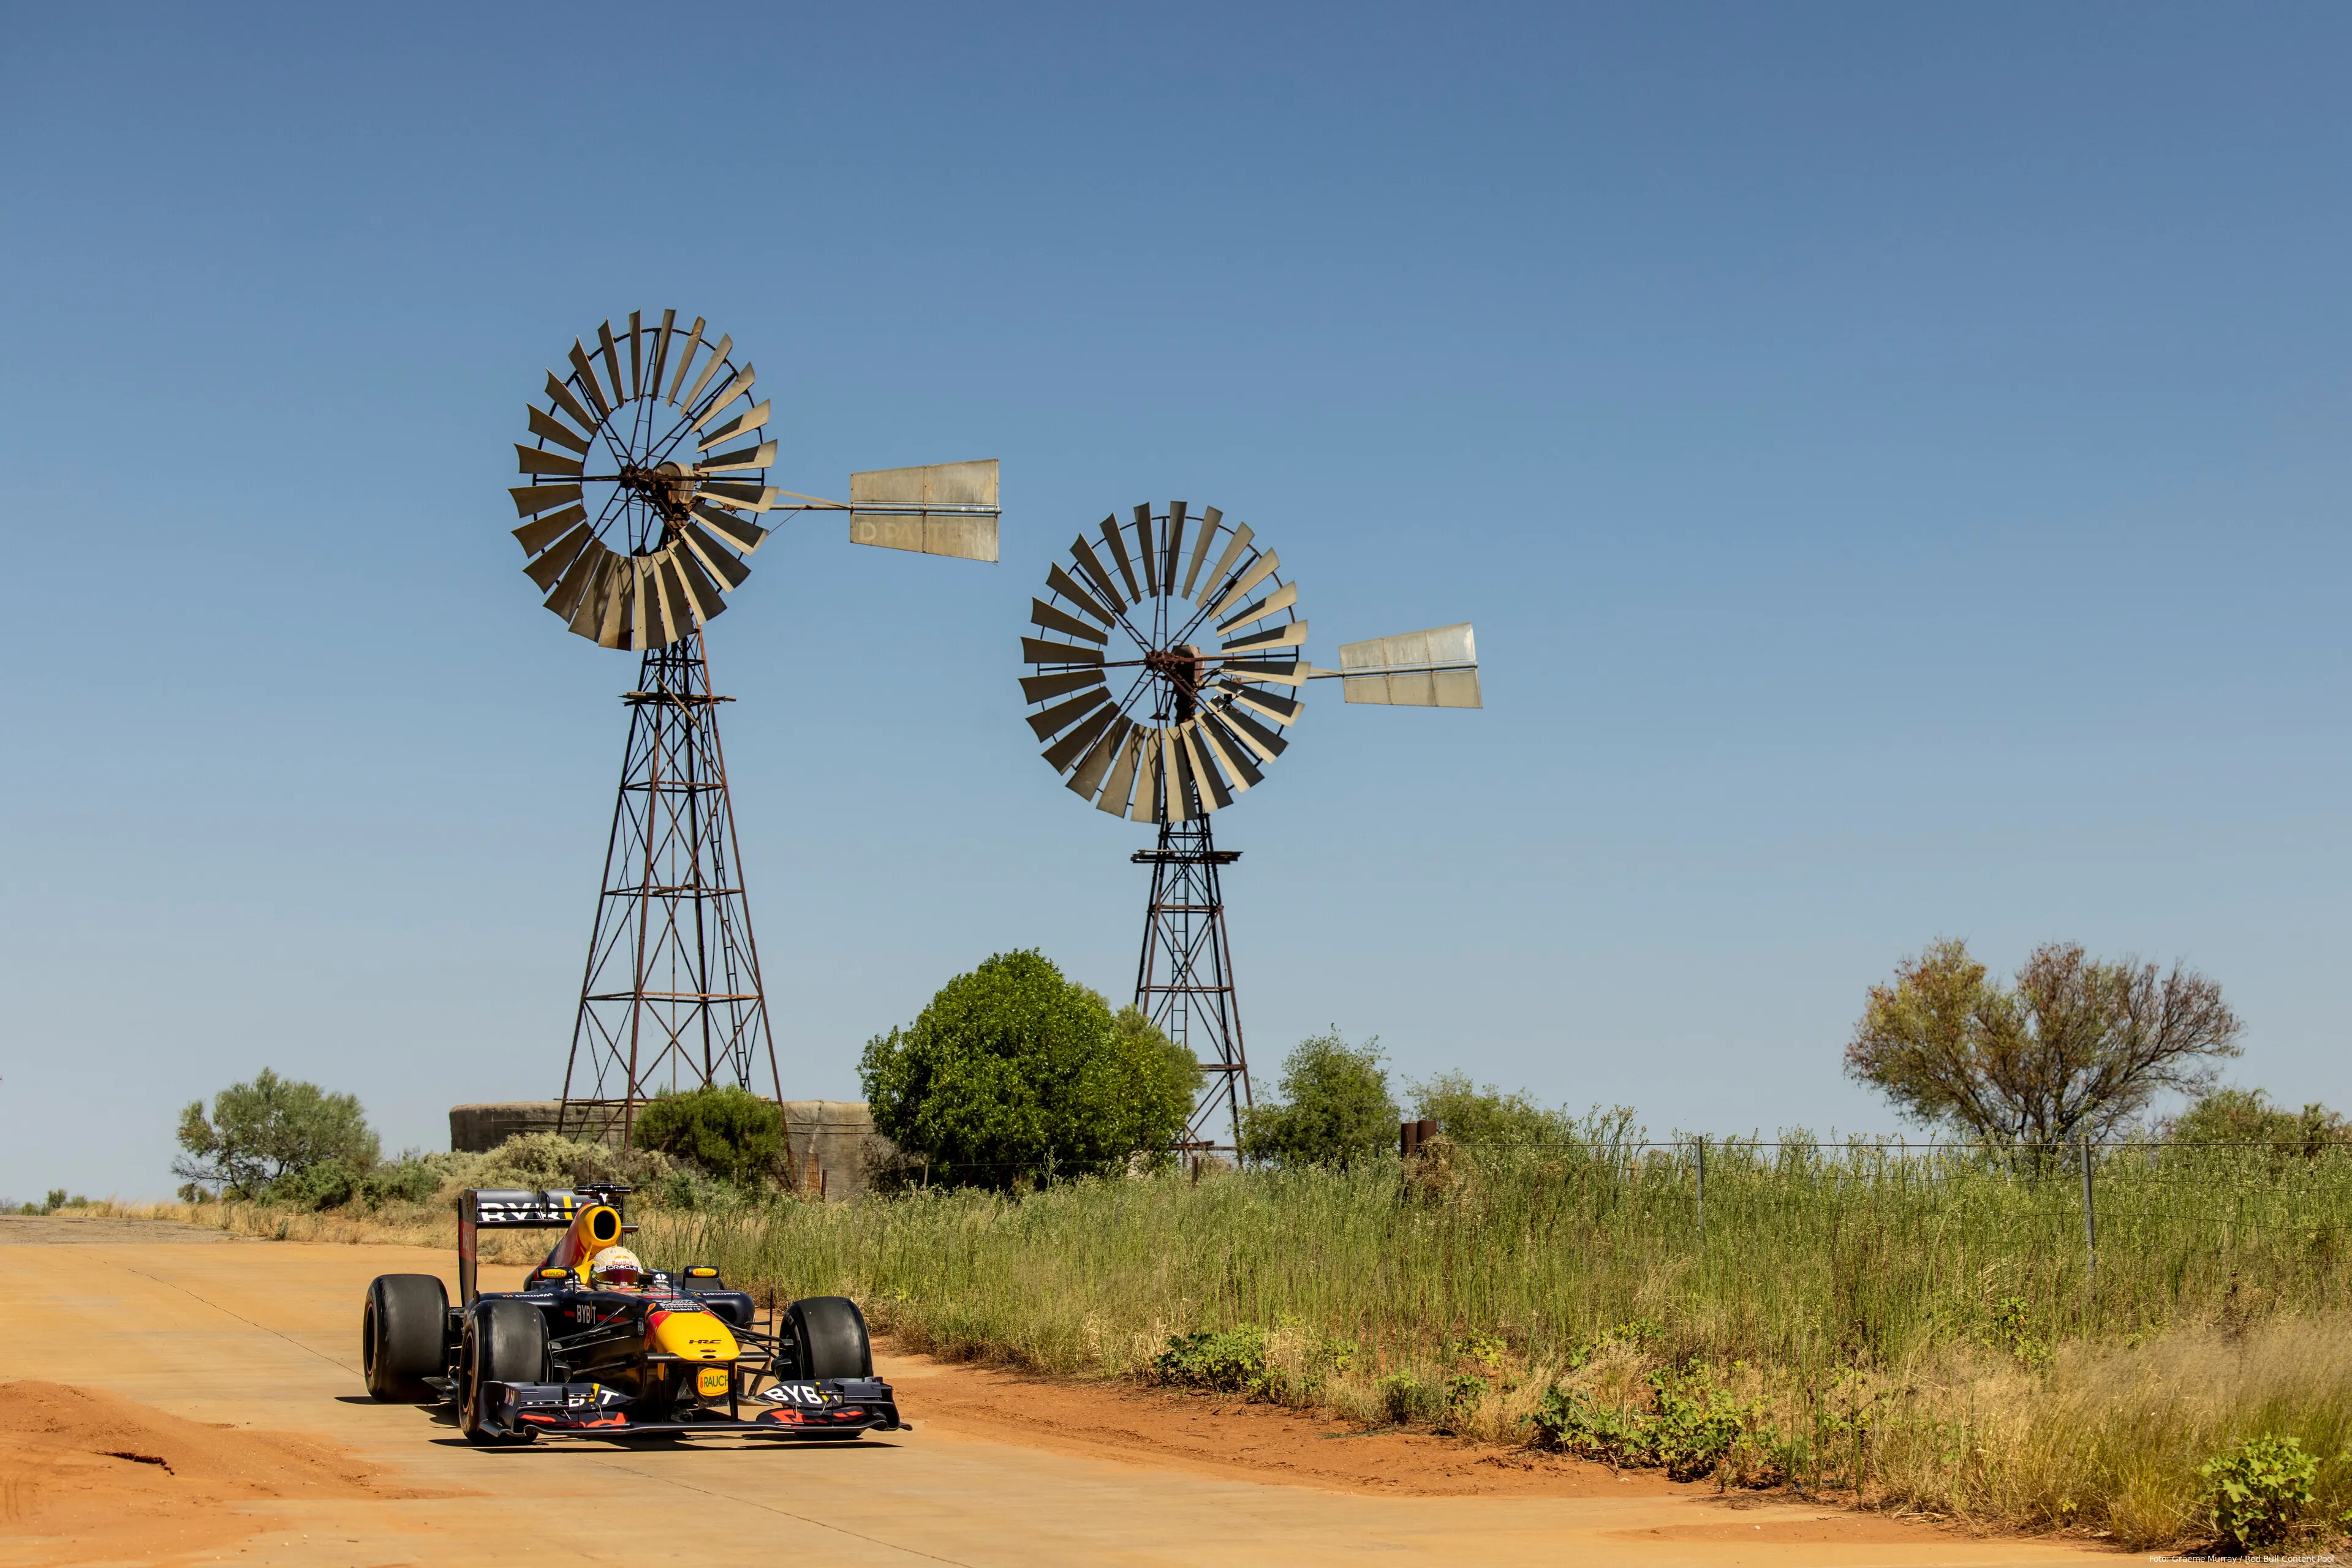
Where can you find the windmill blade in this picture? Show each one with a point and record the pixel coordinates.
(1151, 781)
(715, 556)
(742, 424)
(1146, 551)
(1175, 799)
(612, 360)
(1098, 758)
(1231, 754)
(745, 536)
(758, 456)
(1039, 688)
(710, 602)
(1060, 716)
(1291, 674)
(549, 428)
(664, 619)
(1116, 540)
(612, 601)
(1281, 597)
(642, 602)
(562, 538)
(538, 533)
(1205, 776)
(661, 349)
(686, 358)
(1083, 554)
(741, 496)
(1265, 742)
(1145, 807)
(588, 616)
(550, 567)
(1290, 635)
(710, 367)
(726, 397)
(938, 508)
(1053, 620)
(1173, 547)
(587, 374)
(1059, 581)
(636, 376)
(565, 596)
(1064, 751)
(1282, 710)
(1210, 518)
(1233, 548)
(1258, 571)
(530, 499)
(560, 396)
(1035, 650)
(1122, 774)
(534, 460)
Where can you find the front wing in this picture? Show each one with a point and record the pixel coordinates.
(797, 1409)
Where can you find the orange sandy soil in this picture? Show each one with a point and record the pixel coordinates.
(234, 1364)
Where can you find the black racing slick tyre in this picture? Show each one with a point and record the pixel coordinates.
(831, 1333)
(404, 1340)
(506, 1341)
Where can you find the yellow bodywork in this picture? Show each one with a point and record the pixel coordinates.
(592, 1230)
(695, 1336)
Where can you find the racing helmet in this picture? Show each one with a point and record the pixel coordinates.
(617, 1269)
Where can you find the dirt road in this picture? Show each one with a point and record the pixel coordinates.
(173, 1400)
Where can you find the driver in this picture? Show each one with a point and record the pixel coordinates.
(615, 1268)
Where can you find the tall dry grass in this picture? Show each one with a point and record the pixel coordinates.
(1917, 1329)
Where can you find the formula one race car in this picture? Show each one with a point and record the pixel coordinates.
(597, 1345)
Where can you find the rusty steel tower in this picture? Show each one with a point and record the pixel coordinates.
(672, 997)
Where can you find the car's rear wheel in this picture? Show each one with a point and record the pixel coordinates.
(831, 1333)
(506, 1341)
(404, 1336)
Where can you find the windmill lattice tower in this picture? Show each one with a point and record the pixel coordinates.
(1211, 662)
(646, 487)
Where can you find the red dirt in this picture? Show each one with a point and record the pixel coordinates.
(98, 1478)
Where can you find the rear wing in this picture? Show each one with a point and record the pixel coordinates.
(514, 1209)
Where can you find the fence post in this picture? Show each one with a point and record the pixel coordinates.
(1702, 1190)
(2090, 1216)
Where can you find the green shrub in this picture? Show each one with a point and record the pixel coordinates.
(732, 1132)
(413, 1178)
(330, 1184)
(1335, 1109)
(2259, 1493)
(1692, 1426)
(1230, 1362)
(1014, 1076)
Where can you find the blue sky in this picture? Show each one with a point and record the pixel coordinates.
(1893, 456)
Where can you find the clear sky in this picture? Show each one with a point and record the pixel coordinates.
(1894, 458)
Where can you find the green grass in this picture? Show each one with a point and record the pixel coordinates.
(1888, 1321)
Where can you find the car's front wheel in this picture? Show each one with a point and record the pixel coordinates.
(404, 1336)
(506, 1341)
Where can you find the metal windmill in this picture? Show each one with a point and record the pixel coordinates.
(1170, 661)
(647, 481)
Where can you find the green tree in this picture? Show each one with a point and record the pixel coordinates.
(1335, 1107)
(732, 1132)
(1014, 1074)
(1476, 1116)
(275, 1131)
(2078, 1046)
